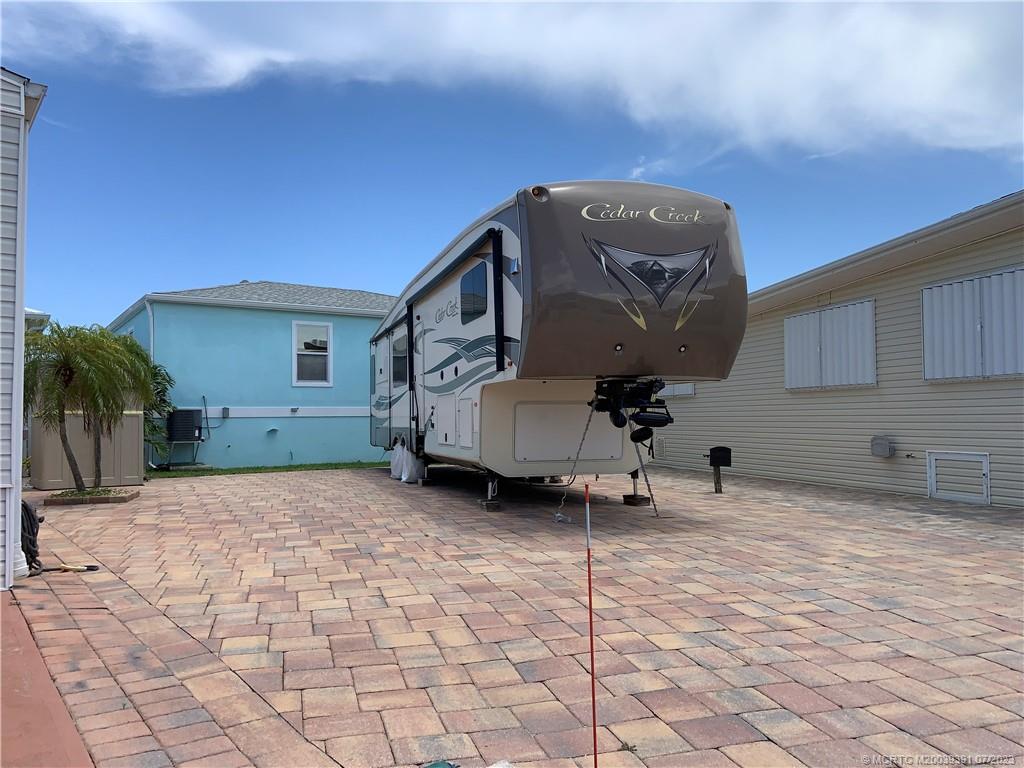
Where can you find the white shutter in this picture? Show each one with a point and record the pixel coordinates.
(1002, 323)
(952, 330)
(831, 347)
(803, 350)
(974, 328)
(848, 344)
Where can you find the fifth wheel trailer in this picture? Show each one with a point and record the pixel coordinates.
(566, 299)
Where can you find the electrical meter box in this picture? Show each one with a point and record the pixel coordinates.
(882, 447)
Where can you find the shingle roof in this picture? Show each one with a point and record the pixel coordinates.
(267, 292)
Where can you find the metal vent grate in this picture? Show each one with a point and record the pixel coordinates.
(659, 447)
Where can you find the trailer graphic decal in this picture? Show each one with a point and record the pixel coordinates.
(469, 350)
(384, 403)
(660, 274)
(463, 379)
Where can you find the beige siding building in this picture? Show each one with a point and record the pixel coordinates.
(19, 100)
(918, 341)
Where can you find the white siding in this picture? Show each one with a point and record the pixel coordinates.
(823, 435)
(12, 97)
(11, 126)
(10, 139)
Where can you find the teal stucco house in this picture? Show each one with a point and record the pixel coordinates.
(281, 372)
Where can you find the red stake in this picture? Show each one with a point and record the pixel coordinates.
(590, 607)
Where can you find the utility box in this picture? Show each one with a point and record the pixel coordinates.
(720, 456)
(121, 454)
(883, 447)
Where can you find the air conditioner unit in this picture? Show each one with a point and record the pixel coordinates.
(185, 425)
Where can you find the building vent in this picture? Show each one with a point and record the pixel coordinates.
(659, 447)
(959, 476)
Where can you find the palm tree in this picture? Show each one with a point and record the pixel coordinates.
(88, 370)
(158, 409)
(65, 368)
(128, 384)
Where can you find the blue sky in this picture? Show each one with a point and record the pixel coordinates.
(162, 160)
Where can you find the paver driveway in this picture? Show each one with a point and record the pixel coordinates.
(324, 618)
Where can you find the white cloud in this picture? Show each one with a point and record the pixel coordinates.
(641, 169)
(680, 159)
(55, 123)
(820, 77)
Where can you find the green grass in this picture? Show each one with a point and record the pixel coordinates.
(204, 471)
(90, 492)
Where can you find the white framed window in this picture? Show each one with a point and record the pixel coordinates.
(831, 347)
(312, 352)
(678, 390)
(974, 328)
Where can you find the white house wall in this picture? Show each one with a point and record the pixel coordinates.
(823, 435)
(11, 140)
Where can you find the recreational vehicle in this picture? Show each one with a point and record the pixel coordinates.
(556, 316)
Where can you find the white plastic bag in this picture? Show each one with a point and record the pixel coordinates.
(397, 459)
(412, 468)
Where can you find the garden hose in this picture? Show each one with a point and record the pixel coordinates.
(30, 521)
(64, 567)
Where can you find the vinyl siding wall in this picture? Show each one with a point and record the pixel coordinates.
(11, 131)
(823, 435)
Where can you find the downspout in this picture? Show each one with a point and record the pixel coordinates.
(152, 338)
(147, 450)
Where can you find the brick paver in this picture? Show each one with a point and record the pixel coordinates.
(340, 618)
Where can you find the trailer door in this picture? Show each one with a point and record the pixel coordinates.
(380, 412)
(400, 397)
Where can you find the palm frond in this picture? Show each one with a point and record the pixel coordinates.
(92, 371)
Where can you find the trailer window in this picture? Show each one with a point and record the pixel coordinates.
(474, 293)
(400, 360)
